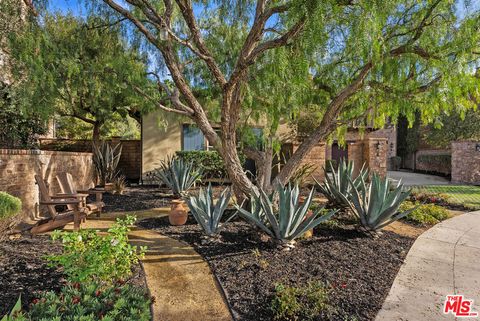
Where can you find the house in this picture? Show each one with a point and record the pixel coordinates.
(163, 134)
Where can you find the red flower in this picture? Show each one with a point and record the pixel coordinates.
(76, 300)
(344, 285)
(35, 301)
(117, 290)
(98, 293)
(76, 285)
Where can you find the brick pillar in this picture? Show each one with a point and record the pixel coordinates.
(355, 154)
(375, 152)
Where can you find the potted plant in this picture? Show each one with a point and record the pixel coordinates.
(179, 176)
(105, 159)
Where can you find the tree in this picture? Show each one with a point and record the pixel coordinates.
(75, 68)
(355, 56)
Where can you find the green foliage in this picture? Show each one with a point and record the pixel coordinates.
(377, 204)
(458, 125)
(9, 205)
(178, 175)
(338, 188)
(208, 213)
(302, 174)
(210, 162)
(72, 68)
(105, 159)
(89, 256)
(287, 222)
(91, 302)
(300, 303)
(429, 214)
(16, 313)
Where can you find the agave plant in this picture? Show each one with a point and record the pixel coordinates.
(105, 160)
(178, 175)
(338, 188)
(290, 220)
(207, 213)
(376, 204)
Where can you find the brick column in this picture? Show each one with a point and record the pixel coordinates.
(375, 152)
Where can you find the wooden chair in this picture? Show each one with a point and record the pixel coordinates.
(68, 188)
(74, 214)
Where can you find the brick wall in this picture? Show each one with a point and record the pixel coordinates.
(130, 161)
(466, 162)
(375, 151)
(18, 168)
(315, 157)
(429, 161)
(355, 154)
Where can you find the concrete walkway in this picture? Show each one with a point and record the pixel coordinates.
(444, 260)
(177, 276)
(416, 179)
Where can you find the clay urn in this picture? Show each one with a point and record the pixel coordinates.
(178, 213)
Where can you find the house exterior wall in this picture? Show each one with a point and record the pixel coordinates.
(466, 162)
(315, 157)
(161, 137)
(19, 167)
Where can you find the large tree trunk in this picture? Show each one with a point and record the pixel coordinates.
(96, 132)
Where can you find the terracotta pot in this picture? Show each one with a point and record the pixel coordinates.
(108, 187)
(178, 213)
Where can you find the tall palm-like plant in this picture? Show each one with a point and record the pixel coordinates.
(105, 160)
(178, 175)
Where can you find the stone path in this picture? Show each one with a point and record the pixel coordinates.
(177, 276)
(444, 260)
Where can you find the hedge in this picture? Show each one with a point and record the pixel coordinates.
(9, 205)
(209, 161)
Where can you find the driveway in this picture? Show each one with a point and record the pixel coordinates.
(416, 179)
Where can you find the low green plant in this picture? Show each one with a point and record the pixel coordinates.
(210, 162)
(106, 159)
(91, 302)
(289, 220)
(178, 175)
(9, 205)
(89, 256)
(337, 189)
(377, 204)
(16, 313)
(208, 213)
(300, 303)
(429, 214)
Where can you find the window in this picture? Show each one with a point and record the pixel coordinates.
(192, 138)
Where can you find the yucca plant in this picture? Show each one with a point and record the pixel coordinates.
(377, 204)
(178, 175)
(105, 159)
(207, 213)
(290, 220)
(337, 189)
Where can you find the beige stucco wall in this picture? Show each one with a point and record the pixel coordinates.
(161, 137)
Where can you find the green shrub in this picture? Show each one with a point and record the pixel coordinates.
(179, 175)
(424, 213)
(88, 256)
(9, 205)
(300, 303)
(91, 302)
(210, 162)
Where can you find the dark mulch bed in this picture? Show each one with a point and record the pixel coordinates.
(136, 199)
(359, 270)
(23, 270)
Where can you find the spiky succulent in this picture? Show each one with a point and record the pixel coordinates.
(178, 175)
(105, 159)
(377, 204)
(337, 189)
(208, 213)
(290, 220)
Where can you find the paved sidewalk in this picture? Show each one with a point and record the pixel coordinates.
(416, 179)
(444, 260)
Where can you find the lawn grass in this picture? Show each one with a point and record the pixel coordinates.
(466, 195)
